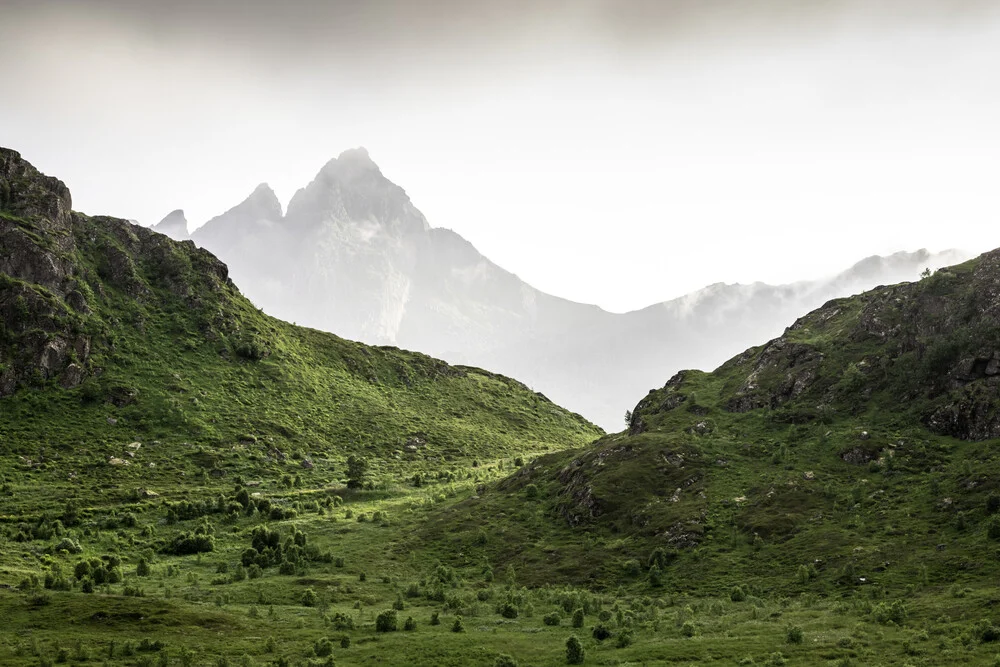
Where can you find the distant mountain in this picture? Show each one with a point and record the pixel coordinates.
(175, 225)
(354, 256)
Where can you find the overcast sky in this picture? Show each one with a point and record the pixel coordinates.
(618, 152)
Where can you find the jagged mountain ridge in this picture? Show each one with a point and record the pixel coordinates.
(354, 256)
(110, 330)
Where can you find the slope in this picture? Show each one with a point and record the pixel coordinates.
(854, 453)
(112, 333)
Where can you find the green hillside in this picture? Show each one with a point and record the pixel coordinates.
(112, 334)
(851, 461)
(149, 412)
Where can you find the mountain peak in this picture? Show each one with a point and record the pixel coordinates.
(264, 199)
(173, 225)
(351, 164)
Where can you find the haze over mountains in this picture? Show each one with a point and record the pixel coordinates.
(354, 256)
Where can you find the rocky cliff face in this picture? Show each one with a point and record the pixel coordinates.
(354, 256)
(48, 323)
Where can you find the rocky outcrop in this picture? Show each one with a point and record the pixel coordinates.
(56, 266)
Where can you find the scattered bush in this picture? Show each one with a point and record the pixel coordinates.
(552, 619)
(737, 594)
(504, 660)
(458, 626)
(409, 625)
(386, 621)
(793, 634)
(323, 647)
(508, 610)
(601, 632)
(574, 651)
(578, 618)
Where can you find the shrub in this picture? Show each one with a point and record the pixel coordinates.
(574, 651)
(399, 605)
(68, 545)
(504, 660)
(688, 629)
(985, 631)
(531, 492)
(552, 619)
(793, 634)
(386, 621)
(309, 598)
(142, 568)
(632, 568)
(508, 610)
(889, 613)
(578, 618)
(409, 625)
(624, 639)
(601, 632)
(323, 647)
(993, 528)
(737, 594)
(345, 642)
(342, 621)
(458, 626)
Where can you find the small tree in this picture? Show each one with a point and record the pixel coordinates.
(504, 660)
(409, 625)
(578, 618)
(357, 471)
(458, 626)
(309, 598)
(574, 651)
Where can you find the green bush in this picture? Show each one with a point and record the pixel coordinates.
(574, 651)
(504, 660)
(458, 626)
(386, 621)
(323, 647)
(508, 610)
(409, 625)
(601, 632)
(578, 618)
(688, 629)
(737, 594)
(552, 619)
(793, 634)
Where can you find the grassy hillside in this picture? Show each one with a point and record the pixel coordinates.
(151, 419)
(848, 465)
